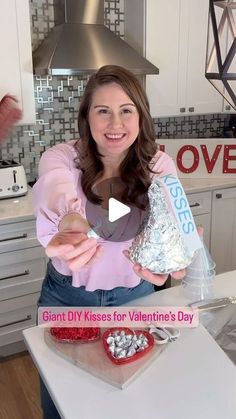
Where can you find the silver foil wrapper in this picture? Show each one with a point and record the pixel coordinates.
(122, 345)
(159, 246)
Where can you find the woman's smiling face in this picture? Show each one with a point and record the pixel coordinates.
(113, 120)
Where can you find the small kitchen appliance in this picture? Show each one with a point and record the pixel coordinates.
(12, 179)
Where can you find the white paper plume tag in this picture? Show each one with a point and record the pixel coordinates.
(182, 212)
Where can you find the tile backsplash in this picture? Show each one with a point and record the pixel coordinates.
(197, 126)
(57, 101)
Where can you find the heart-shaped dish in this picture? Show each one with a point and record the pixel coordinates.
(125, 330)
(75, 334)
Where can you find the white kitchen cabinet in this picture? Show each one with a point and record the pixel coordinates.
(176, 40)
(21, 272)
(216, 212)
(16, 71)
(223, 229)
(16, 314)
(22, 269)
(227, 108)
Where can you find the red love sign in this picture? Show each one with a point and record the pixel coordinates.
(210, 154)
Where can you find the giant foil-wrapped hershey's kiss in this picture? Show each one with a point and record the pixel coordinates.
(159, 246)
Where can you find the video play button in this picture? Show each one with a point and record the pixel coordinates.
(115, 219)
(116, 209)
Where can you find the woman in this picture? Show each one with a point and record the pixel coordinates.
(117, 140)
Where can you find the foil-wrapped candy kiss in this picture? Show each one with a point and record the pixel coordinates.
(159, 246)
(124, 345)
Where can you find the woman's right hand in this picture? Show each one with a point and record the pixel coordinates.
(75, 248)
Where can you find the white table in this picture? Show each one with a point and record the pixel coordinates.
(192, 378)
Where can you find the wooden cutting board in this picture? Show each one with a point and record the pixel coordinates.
(92, 358)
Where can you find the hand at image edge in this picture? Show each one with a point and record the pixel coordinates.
(74, 248)
(156, 279)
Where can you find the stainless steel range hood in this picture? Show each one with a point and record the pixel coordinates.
(80, 43)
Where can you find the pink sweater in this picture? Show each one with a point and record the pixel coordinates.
(58, 192)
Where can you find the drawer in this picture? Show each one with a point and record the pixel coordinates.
(21, 272)
(16, 236)
(16, 315)
(200, 203)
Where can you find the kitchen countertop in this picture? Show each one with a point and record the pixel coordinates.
(192, 185)
(191, 378)
(21, 208)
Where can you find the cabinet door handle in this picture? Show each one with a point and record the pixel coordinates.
(28, 317)
(191, 109)
(219, 195)
(182, 110)
(228, 107)
(195, 205)
(26, 272)
(22, 236)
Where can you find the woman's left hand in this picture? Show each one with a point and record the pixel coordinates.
(155, 279)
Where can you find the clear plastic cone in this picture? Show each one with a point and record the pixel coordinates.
(199, 280)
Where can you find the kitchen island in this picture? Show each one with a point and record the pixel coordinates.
(192, 377)
(23, 261)
(22, 269)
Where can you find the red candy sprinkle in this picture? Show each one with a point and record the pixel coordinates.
(75, 333)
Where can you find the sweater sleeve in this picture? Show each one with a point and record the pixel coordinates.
(55, 193)
(163, 165)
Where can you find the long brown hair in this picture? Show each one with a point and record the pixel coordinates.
(135, 168)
